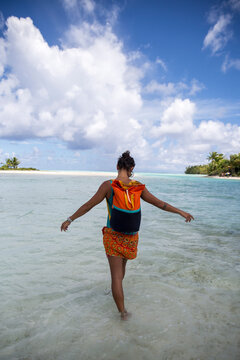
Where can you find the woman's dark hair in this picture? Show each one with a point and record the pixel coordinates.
(125, 161)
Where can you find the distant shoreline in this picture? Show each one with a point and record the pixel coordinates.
(60, 172)
(223, 177)
(103, 173)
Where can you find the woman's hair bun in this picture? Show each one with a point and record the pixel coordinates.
(126, 154)
(125, 161)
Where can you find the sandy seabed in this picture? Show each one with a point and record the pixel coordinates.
(182, 289)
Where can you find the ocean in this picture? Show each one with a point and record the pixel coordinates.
(182, 289)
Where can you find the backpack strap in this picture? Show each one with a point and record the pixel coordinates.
(109, 202)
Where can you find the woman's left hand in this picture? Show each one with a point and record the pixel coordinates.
(187, 216)
(65, 225)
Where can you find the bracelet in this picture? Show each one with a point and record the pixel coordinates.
(70, 220)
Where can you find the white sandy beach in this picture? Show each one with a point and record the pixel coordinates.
(100, 173)
(59, 172)
(224, 177)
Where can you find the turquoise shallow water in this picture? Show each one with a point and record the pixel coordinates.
(183, 288)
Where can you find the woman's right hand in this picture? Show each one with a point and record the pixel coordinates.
(188, 217)
(65, 225)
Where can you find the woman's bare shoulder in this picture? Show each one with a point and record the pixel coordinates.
(106, 184)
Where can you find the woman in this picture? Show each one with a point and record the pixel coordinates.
(120, 236)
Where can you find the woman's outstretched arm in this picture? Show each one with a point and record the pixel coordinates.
(151, 199)
(95, 200)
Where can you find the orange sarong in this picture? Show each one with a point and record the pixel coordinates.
(120, 244)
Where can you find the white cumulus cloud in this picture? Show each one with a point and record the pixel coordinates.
(177, 119)
(85, 94)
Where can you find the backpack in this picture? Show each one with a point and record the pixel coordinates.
(126, 208)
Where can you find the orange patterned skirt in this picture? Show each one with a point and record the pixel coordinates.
(120, 244)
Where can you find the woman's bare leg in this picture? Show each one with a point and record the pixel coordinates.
(117, 273)
(116, 269)
(124, 266)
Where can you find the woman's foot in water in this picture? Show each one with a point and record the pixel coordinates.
(125, 315)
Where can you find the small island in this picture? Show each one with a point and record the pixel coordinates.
(219, 166)
(11, 164)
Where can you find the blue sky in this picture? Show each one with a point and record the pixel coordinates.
(82, 80)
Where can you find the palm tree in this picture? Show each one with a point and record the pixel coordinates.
(235, 164)
(220, 157)
(214, 156)
(9, 163)
(216, 162)
(15, 162)
(12, 162)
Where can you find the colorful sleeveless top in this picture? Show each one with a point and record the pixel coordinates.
(124, 209)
